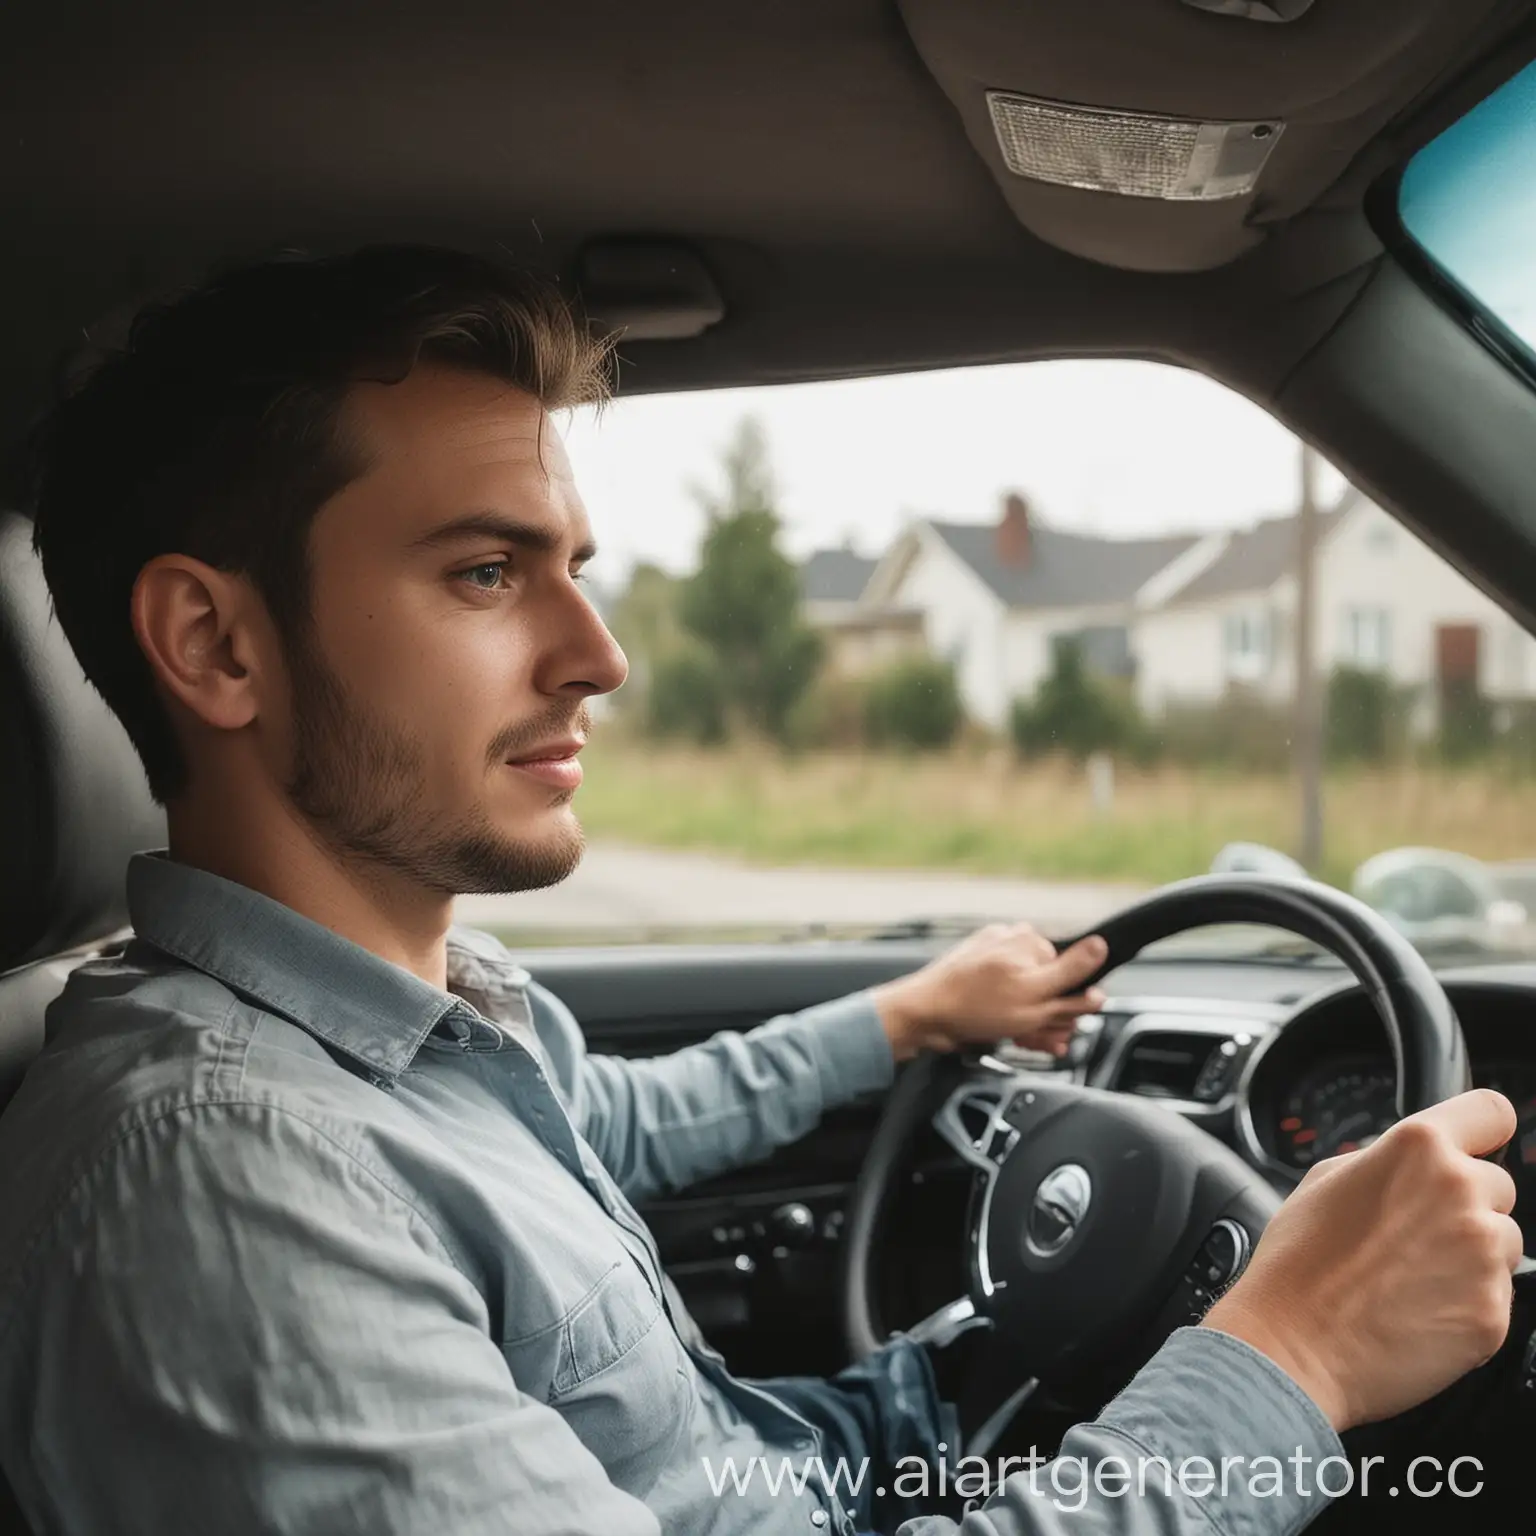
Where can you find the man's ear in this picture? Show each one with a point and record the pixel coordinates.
(201, 631)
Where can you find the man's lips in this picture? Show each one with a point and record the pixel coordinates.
(553, 763)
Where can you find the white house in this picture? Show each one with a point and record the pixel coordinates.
(832, 583)
(994, 598)
(1384, 602)
(1188, 618)
(861, 635)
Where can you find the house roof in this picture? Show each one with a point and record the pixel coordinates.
(835, 576)
(1065, 570)
(1256, 558)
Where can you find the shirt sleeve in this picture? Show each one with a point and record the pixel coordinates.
(238, 1324)
(1211, 1438)
(660, 1123)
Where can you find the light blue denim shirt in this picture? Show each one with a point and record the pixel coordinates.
(291, 1241)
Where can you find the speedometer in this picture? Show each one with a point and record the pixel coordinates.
(1339, 1106)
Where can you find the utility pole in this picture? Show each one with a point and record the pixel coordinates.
(1309, 711)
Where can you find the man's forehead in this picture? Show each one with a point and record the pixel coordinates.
(442, 414)
(443, 444)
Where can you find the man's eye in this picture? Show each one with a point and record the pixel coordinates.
(487, 576)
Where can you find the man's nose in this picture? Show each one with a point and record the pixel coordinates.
(585, 660)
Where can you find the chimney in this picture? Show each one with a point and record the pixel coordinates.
(1013, 538)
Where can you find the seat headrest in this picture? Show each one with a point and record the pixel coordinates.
(74, 802)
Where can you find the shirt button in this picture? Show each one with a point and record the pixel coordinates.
(818, 1518)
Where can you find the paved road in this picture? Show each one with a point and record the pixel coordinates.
(638, 890)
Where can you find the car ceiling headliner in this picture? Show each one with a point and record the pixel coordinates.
(824, 157)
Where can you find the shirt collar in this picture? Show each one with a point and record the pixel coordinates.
(373, 1011)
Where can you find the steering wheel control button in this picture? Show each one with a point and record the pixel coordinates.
(1058, 1210)
(1219, 1073)
(1528, 1367)
(1222, 1257)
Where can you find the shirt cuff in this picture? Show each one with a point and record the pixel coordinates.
(1206, 1399)
(852, 1050)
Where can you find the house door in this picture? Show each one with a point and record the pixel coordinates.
(1457, 655)
(1463, 715)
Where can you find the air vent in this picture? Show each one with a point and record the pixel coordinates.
(1166, 1065)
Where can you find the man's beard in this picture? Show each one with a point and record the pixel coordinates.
(361, 782)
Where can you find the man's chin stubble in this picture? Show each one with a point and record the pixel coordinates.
(495, 866)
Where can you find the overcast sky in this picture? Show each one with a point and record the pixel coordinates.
(1114, 448)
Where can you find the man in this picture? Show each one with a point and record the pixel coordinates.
(319, 1219)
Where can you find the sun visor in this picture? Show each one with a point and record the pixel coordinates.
(1170, 137)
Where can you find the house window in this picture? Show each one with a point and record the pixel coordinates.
(1367, 638)
(1103, 649)
(1247, 641)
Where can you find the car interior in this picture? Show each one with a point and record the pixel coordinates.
(823, 189)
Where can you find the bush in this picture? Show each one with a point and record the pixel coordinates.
(1240, 732)
(1366, 717)
(915, 703)
(1077, 713)
(686, 699)
(830, 713)
(1466, 724)
(1515, 747)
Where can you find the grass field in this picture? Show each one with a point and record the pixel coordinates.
(987, 814)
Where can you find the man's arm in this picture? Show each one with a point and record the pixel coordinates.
(663, 1122)
(1210, 1439)
(237, 1324)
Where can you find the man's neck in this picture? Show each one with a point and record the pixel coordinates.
(284, 858)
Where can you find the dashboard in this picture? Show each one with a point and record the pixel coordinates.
(1292, 1080)
(1326, 1082)
(1342, 1103)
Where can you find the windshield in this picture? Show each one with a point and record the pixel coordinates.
(915, 653)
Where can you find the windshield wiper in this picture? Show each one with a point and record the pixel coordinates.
(910, 928)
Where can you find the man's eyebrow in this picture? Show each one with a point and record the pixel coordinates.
(496, 525)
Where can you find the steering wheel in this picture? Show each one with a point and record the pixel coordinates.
(1101, 1222)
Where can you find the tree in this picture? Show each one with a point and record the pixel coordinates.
(1075, 712)
(743, 603)
(645, 623)
(645, 617)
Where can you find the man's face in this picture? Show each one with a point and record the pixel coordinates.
(439, 697)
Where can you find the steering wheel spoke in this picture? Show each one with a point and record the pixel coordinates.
(973, 1118)
(940, 1329)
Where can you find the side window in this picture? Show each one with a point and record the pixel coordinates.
(1468, 200)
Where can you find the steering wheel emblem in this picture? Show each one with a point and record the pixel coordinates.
(1057, 1211)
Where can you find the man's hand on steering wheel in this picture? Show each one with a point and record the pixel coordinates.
(1004, 982)
(1387, 1274)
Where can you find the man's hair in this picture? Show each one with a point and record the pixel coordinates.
(215, 432)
